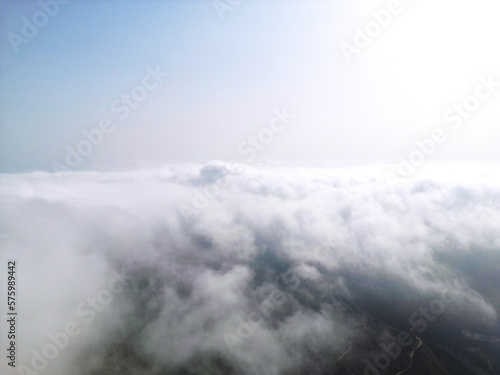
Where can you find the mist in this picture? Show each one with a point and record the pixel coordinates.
(241, 269)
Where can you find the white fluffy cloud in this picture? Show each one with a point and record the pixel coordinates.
(241, 268)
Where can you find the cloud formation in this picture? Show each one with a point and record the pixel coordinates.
(277, 272)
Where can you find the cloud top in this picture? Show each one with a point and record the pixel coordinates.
(243, 269)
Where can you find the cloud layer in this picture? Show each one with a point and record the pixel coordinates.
(227, 268)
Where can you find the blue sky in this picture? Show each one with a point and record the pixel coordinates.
(227, 77)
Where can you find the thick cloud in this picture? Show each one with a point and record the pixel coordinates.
(227, 268)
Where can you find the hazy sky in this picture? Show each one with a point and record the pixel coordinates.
(230, 70)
